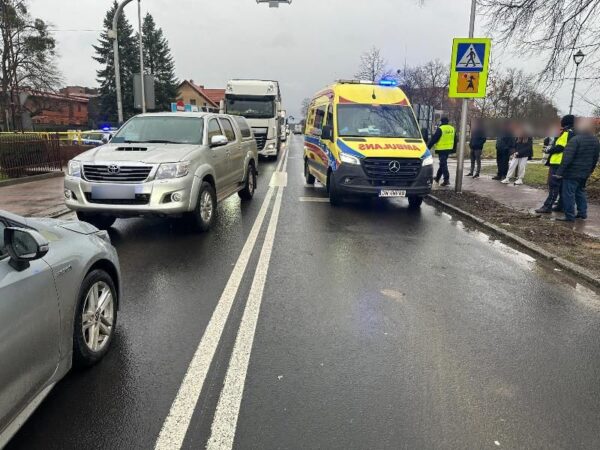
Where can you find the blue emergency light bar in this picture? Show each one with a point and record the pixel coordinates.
(388, 82)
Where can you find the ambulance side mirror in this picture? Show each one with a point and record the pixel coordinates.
(327, 133)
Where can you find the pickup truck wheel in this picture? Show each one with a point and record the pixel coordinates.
(250, 186)
(414, 201)
(310, 178)
(101, 222)
(95, 319)
(203, 216)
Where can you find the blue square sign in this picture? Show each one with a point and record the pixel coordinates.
(470, 57)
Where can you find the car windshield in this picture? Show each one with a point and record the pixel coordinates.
(161, 129)
(251, 107)
(92, 136)
(386, 121)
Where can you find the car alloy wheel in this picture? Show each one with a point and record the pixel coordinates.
(98, 316)
(206, 207)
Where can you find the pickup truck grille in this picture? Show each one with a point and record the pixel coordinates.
(140, 199)
(115, 173)
(261, 141)
(392, 169)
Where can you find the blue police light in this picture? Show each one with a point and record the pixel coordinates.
(389, 82)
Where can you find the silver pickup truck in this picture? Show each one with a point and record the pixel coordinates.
(164, 164)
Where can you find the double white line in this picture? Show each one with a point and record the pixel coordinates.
(224, 424)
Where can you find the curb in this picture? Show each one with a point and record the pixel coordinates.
(32, 178)
(575, 269)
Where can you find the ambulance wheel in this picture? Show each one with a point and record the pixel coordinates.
(310, 178)
(414, 201)
(335, 199)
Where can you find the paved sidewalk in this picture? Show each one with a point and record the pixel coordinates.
(524, 198)
(41, 198)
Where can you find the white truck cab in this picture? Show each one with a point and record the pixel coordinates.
(259, 101)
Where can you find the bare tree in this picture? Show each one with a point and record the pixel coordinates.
(373, 67)
(596, 112)
(305, 106)
(426, 84)
(553, 28)
(27, 57)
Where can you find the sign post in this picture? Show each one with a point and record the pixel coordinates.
(468, 79)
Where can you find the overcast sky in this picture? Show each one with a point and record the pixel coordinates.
(305, 45)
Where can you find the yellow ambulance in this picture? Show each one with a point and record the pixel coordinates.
(363, 139)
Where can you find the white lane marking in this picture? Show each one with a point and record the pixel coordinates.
(279, 179)
(177, 422)
(313, 199)
(226, 416)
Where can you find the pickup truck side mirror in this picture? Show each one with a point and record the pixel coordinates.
(327, 133)
(218, 141)
(24, 245)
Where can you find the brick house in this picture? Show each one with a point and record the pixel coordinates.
(47, 110)
(197, 95)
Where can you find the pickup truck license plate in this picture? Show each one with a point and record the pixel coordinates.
(391, 193)
(113, 192)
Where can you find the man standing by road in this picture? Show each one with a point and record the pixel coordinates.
(478, 139)
(554, 161)
(443, 142)
(578, 162)
(505, 145)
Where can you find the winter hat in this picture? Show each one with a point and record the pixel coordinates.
(568, 121)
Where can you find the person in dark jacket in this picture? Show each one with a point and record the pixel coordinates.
(555, 156)
(443, 142)
(579, 161)
(505, 145)
(478, 139)
(522, 153)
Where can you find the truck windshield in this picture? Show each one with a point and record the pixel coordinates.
(162, 129)
(385, 121)
(251, 107)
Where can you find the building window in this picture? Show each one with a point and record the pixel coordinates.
(79, 107)
(193, 102)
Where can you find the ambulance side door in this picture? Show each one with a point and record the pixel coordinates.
(318, 160)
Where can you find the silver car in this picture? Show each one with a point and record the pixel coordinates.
(165, 164)
(59, 295)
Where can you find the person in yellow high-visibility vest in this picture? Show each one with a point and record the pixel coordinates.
(443, 142)
(555, 158)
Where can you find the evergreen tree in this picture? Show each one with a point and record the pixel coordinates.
(129, 64)
(159, 62)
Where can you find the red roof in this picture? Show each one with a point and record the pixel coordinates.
(215, 95)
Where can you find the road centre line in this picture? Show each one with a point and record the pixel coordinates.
(182, 409)
(313, 199)
(226, 416)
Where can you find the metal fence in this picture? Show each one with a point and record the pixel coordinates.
(27, 154)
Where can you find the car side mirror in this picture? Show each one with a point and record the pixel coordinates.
(24, 245)
(327, 133)
(218, 141)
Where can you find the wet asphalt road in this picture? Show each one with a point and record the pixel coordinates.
(379, 327)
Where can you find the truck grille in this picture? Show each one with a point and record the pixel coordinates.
(261, 141)
(401, 170)
(115, 173)
(140, 199)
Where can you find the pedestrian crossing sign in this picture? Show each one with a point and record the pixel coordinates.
(470, 67)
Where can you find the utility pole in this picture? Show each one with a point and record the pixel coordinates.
(142, 58)
(462, 143)
(113, 34)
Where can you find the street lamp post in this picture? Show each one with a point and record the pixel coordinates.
(464, 117)
(274, 3)
(113, 34)
(142, 81)
(578, 59)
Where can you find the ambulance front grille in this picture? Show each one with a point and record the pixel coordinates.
(388, 169)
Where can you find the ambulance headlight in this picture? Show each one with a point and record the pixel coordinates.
(349, 159)
(427, 159)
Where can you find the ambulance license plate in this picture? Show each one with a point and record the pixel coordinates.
(391, 193)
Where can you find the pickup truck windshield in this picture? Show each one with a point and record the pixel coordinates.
(251, 107)
(162, 129)
(386, 121)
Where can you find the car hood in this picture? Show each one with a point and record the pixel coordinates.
(61, 228)
(144, 153)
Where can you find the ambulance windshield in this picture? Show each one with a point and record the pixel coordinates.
(383, 121)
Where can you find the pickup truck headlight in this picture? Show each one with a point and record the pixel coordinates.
(349, 159)
(74, 169)
(271, 146)
(175, 170)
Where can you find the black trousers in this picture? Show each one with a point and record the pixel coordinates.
(443, 169)
(476, 159)
(502, 159)
(554, 189)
